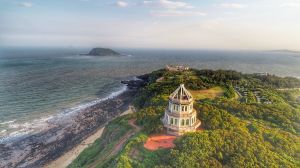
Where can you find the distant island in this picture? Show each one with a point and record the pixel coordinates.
(103, 52)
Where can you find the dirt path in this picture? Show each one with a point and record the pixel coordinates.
(120, 144)
(136, 127)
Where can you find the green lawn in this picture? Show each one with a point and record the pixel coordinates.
(211, 93)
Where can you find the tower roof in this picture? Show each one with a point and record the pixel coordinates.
(181, 95)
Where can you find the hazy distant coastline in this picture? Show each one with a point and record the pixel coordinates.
(285, 51)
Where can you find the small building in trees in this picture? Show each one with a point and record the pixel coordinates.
(177, 68)
(180, 116)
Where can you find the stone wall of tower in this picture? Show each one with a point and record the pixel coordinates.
(173, 107)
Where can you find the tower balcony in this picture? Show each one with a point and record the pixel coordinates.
(180, 114)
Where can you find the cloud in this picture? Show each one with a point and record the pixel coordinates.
(25, 4)
(167, 4)
(121, 4)
(291, 4)
(231, 5)
(171, 8)
(177, 13)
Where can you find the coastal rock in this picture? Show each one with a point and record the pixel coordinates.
(139, 82)
(133, 84)
(144, 77)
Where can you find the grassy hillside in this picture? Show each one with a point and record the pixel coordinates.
(101, 151)
(247, 122)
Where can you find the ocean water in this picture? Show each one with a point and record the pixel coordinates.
(38, 84)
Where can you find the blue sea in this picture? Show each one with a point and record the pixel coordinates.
(39, 84)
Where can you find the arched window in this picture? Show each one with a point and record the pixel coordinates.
(182, 108)
(185, 108)
(187, 122)
(182, 122)
(172, 122)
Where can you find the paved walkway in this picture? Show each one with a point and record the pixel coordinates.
(156, 142)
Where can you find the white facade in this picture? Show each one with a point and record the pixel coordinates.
(180, 116)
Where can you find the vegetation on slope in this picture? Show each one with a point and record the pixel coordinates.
(236, 133)
(135, 155)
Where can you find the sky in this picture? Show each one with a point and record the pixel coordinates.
(180, 24)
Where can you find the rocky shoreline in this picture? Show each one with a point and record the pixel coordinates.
(39, 149)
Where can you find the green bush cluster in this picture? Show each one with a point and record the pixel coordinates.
(229, 92)
(232, 148)
(150, 118)
(280, 115)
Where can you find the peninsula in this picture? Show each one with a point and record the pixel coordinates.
(246, 121)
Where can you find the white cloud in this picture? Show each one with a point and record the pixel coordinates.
(290, 4)
(177, 13)
(231, 5)
(25, 4)
(121, 4)
(168, 4)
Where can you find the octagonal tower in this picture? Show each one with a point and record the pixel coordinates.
(180, 116)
